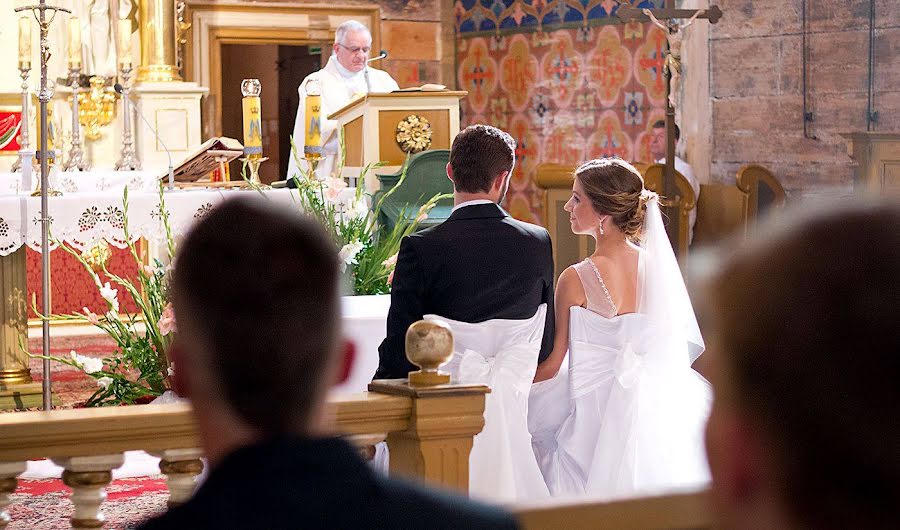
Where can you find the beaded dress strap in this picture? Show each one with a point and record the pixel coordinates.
(603, 285)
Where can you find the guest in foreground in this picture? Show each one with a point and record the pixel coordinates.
(256, 301)
(805, 426)
(630, 420)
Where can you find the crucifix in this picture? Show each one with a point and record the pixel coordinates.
(44, 15)
(666, 19)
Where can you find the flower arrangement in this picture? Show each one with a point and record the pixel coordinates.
(138, 367)
(369, 253)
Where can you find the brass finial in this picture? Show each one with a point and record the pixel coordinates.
(429, 344)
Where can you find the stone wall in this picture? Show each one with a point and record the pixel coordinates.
(756, 101)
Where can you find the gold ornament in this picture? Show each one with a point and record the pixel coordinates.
(96, 107)
(98, 256)
(414, 134)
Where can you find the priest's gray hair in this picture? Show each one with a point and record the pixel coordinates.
(350, 26)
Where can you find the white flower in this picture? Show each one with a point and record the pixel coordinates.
(110, 295)
(111, 315)
(104, 381)
(361, 209)
(89, 365)
(348, 253)
(170, 371)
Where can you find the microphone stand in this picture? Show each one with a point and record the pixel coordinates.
(381, 55)
(171, 183)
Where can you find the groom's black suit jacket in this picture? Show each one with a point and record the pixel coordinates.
(478, 265)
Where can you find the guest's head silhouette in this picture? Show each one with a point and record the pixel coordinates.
(256, 301)
(805, 427)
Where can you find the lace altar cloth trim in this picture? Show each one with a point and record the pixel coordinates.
(82, 219)
(83, 182)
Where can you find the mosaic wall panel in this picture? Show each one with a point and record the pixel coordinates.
(568, 81)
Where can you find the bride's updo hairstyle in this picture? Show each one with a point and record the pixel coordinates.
(616, 188)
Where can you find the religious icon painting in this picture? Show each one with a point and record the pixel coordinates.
(10, 128)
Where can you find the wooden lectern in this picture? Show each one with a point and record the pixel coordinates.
(383, 127)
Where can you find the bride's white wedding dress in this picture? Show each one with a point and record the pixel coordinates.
(627, 417)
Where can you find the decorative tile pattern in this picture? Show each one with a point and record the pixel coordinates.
(568, 81)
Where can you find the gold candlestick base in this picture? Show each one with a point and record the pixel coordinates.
(253, 164)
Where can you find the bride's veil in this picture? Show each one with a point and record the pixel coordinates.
(663, 297)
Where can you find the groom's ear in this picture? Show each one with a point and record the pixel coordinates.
(450, 172)
(500, 180)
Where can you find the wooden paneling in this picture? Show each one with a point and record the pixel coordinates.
(353, 143)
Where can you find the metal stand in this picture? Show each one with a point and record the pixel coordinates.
(253, 164)
(75, 160)
(40, 13)
(23, 128)
(129, 160)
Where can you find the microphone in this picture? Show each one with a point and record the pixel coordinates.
(382, 54)
(121, 91)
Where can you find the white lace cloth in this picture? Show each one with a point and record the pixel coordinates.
(501, 354)
(79, 182)
(83, 219)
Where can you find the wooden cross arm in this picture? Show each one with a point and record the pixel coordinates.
(628, 12)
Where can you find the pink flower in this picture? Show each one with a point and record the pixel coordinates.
(390, 279)
(422, 216)
(92, 317)
(167, 321)
(333, 188)
(390, 262)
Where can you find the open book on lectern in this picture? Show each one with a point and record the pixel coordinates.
(206, 158)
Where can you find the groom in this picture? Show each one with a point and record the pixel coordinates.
(479, 264)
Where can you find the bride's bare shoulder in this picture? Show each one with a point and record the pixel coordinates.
(569, 290)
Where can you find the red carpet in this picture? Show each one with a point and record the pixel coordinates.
(45, 504)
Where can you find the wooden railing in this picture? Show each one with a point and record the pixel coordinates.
(678, 511)
(429, 433)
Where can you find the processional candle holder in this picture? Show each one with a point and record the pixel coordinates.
(75, 159)
(252, 109)
(128, 161)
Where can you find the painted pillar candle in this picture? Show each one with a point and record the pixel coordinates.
(250, 88)
(312, 140)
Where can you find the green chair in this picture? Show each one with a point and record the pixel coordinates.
(426, 176)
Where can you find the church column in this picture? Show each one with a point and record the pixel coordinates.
(157, 42)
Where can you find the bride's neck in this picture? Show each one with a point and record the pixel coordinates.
(610, 243)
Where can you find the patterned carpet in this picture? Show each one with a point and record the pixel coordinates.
(44, 503)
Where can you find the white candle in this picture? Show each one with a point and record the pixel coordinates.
(125, 42)
(74, 42)
(24, 41)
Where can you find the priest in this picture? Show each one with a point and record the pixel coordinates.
(345, 77)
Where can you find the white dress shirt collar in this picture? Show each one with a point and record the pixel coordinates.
(471, 203)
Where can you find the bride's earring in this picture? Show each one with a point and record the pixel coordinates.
(600, 226)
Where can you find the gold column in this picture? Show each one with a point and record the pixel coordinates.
(13, 320)
(17, 390)
(157, 42)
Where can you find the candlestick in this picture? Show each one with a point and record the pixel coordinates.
(74, 43)
(24, 151)
(24, 42)
(129, 160)
(75, 160)
(250, 88)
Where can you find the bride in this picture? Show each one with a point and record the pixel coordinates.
(626, 418)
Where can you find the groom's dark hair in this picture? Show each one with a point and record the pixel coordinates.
(478, 155)
(256, 300)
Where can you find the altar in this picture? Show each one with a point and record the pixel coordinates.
(90, 212)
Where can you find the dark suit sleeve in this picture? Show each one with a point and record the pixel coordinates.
(406, 308)
(550, 324)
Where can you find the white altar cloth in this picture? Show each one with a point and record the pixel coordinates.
(83, 181)
(82, 219)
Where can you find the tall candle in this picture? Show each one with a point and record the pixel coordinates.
(250, 89)
(24, 42)
(74, 42)
(125, 41)
(312, 140)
